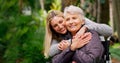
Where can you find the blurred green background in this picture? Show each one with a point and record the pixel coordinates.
(22, 27)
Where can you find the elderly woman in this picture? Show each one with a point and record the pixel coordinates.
(76, 52)
(56, 31)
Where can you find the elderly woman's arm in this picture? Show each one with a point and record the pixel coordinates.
(64, 57)
(93, 52)
(102, 29)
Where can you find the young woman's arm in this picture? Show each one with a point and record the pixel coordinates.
(102, 29)
(54, 48)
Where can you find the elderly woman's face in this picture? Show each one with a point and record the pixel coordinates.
(58, 24)
(73, 22)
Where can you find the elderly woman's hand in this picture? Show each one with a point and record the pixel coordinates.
(74, 62)
(63, 44)
(80, 41)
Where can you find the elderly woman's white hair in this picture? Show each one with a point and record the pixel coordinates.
(73, 10)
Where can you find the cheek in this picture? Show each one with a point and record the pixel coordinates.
(79, 22)
(64, 23)
(79, 25)
(55, 29)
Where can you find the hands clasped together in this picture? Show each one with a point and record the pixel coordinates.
(78, 41)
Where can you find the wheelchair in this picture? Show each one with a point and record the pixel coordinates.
(106, 55)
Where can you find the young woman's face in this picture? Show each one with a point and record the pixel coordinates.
(58, 24)
(73, 22)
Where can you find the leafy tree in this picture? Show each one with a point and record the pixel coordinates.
(21, 38)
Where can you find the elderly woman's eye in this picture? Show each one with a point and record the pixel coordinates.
(74, 17)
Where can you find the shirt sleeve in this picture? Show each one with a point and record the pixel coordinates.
(102, 29)
(93, 52)
(54, 48)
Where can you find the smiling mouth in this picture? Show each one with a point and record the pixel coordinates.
(72, 26)
(62, 30)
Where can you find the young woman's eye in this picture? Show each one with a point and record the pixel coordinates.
(61, 21)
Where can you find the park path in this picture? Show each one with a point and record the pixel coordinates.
(115, 60)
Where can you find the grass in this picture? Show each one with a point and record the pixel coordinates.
(115, 51)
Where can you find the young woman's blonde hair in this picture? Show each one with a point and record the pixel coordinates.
(49, 31)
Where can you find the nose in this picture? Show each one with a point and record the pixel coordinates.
(60, 26)
(71, 21)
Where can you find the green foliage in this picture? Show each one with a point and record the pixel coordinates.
(48, 3)
(87, 9)
(21, 38)
(102, 1)
(40, 17)
(115, 51)
(8, 6)
(30, 3)
(56, 5)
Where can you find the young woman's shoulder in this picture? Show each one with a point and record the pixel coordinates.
(93, 32)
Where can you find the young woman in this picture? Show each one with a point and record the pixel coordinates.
(57, 32)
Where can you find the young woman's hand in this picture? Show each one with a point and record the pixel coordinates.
(79, 42)
(63, 45)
